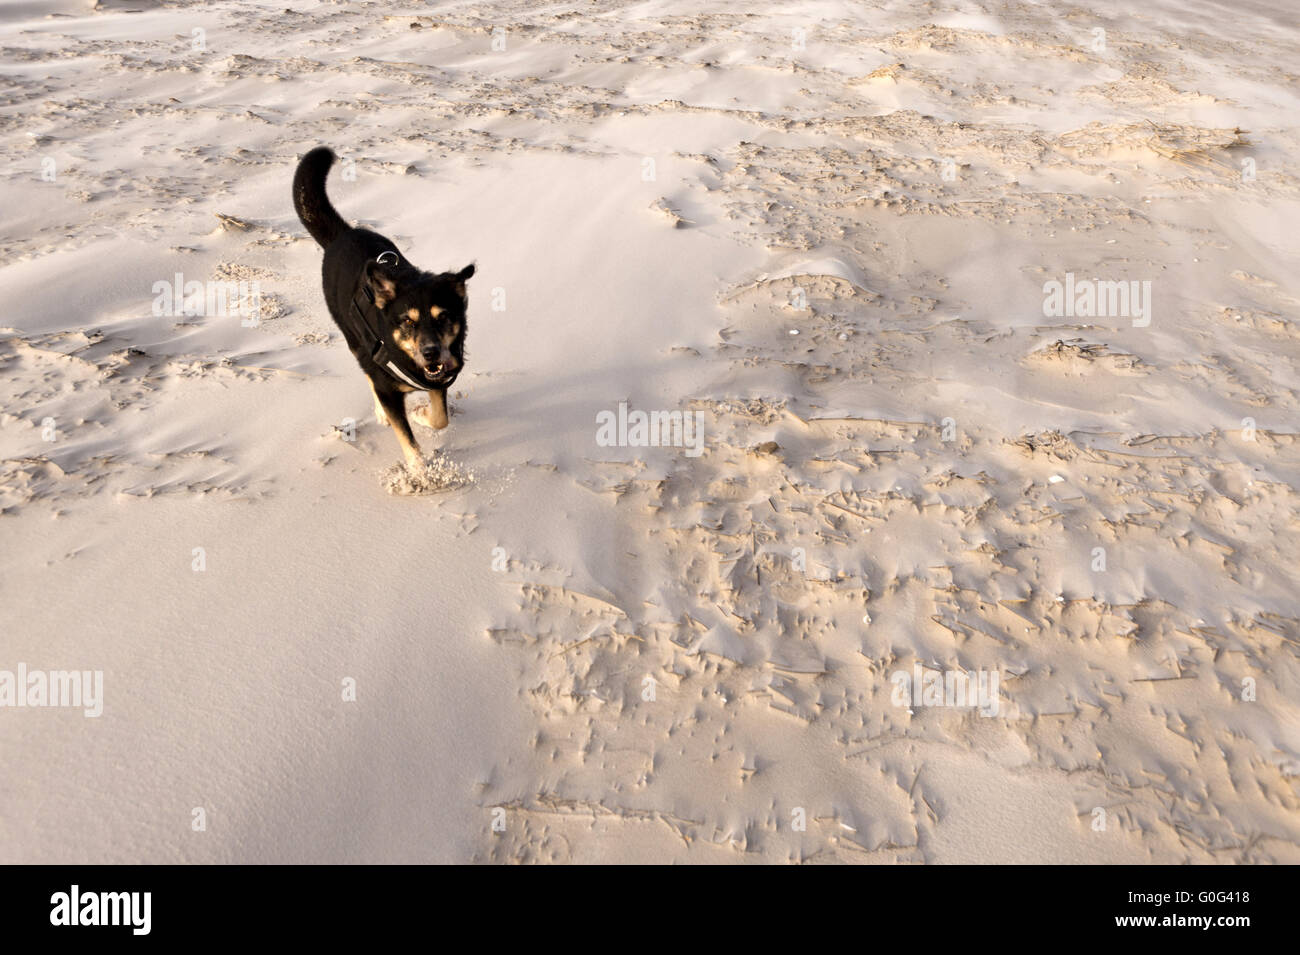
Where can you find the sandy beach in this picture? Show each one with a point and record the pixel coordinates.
(877, 444)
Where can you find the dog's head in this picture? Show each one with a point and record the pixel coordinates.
(425, 316)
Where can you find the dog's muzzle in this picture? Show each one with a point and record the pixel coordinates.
(441, 374)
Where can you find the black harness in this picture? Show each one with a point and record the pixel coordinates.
(381, 351)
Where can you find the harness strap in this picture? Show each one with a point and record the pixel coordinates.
(374, 342)
(400, 374)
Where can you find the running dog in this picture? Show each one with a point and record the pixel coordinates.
(406, 327)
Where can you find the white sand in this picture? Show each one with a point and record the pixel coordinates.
(501, 632)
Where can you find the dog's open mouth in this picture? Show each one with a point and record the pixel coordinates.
(440, 377)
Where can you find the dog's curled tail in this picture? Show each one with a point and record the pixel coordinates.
(309, 199)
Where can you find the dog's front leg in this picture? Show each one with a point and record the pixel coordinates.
(380, 415)
(394, 405)
(435, 415)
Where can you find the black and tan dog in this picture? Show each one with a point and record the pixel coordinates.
(405, 326)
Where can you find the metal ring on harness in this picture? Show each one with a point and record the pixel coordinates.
(380, 259)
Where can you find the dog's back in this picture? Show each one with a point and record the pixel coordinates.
(347, 250)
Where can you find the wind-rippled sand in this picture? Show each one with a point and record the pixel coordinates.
(828, 229)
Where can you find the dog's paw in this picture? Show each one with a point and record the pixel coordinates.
(430, 476)
(426, 416)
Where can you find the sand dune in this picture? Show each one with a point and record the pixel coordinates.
(987, 317)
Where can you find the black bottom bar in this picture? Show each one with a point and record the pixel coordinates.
(332, 904)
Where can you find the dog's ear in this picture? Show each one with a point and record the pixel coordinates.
(461, 277)
(383, 284)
